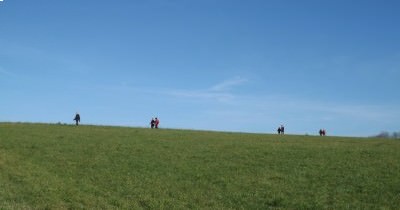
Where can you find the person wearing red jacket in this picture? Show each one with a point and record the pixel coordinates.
(157, 122)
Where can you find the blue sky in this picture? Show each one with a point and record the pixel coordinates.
(226, 65)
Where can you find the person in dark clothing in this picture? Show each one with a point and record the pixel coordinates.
(152, 122)
(279, 130)
(77, 118)
(322, 132)
(282, 129)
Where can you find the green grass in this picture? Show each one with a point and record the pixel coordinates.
(92, 167)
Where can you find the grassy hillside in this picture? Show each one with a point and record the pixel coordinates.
(62, 167)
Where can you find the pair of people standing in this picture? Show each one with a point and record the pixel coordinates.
(154, 122)
(281, 130)
(322, 132)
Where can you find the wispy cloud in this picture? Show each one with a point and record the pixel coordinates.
(222, 91)
(320, 108)
(228, 84)
(201, 94)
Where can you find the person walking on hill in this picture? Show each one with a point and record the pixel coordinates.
(282, 129)
(157, 121)
(152, 123)
(279, 130)
(77, 118)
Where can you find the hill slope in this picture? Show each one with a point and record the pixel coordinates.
(61, 167)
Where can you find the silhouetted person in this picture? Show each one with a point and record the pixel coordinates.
(282, 129)
(157, 122)
(77, 118)
(279, 130)
(320, 132)
(323, 132)
(152, 122)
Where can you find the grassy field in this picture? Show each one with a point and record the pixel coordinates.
(92, 167)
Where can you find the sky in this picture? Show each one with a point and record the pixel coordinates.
(224, 65)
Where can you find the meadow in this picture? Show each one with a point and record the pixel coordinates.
(45, 166)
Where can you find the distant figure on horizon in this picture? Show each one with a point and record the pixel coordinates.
(322, 132)
(157, 122)
(77, 118)
(152, 123)
(279, 130)
(282, 129)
